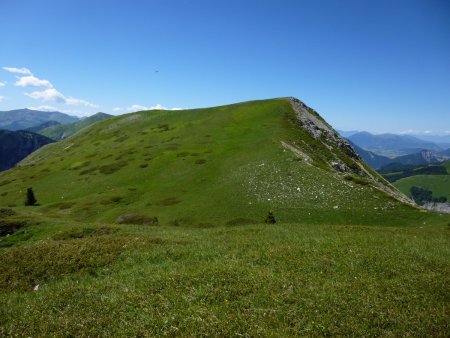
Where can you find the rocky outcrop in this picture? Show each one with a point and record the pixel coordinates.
(439, 207)
(344, 159)
(316, 126)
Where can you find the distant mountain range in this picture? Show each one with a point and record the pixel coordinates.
(392, 145)
(39, 128)
(16, 145)
(402, 149)
(42, 126)
(21, 119)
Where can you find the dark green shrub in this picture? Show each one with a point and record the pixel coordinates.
(270, 218)
(421, 195)
(30, 200)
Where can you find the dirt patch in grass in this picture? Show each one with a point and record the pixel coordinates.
(88, 170)
(163, 127)
(24, 268)
(200, 161)
(8, 227)
(113, 167)
(183, 154)
(5, 212)
(62, 205)
(169, 201)
(111, 200)
(137, 219)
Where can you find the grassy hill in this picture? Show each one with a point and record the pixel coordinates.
(59, 132)
(438, 184)
(348, 255)
(213, 166)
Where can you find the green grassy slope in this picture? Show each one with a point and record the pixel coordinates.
(68, 270)
(205, 166)
(255, 280)
(438, 184)
(62, 131)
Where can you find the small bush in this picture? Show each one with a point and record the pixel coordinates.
(270, 218)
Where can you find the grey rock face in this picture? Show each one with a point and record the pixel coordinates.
(319, 129)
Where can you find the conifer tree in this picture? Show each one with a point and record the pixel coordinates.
(31, 200)
(270, 219)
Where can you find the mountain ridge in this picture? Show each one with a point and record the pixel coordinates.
(20, 119)
(211, 165)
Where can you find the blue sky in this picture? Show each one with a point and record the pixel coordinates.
(381, 66)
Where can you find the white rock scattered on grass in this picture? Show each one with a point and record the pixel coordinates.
(36, 287)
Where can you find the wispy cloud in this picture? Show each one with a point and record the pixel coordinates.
(78, 102)
(424, 132)
(2, 98)
(138, 107)
(32, 81)
(117, 109)
(2, 84)
(24, 71)
(50, 94)
(44, 108)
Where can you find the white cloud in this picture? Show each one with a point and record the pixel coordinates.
(117, 109)
(24, 71)
(44, 108)
(2, 98)
(137, 107)
(52, 94)
(2, 84)
(78, 102)
(48, 95)
(32, 81)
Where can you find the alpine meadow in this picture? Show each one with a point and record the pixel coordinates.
(226, 168)
(153, 223)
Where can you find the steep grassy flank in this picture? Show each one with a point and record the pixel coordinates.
(59, 132)
(438, 184)
(255, 280)
(202, 166)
